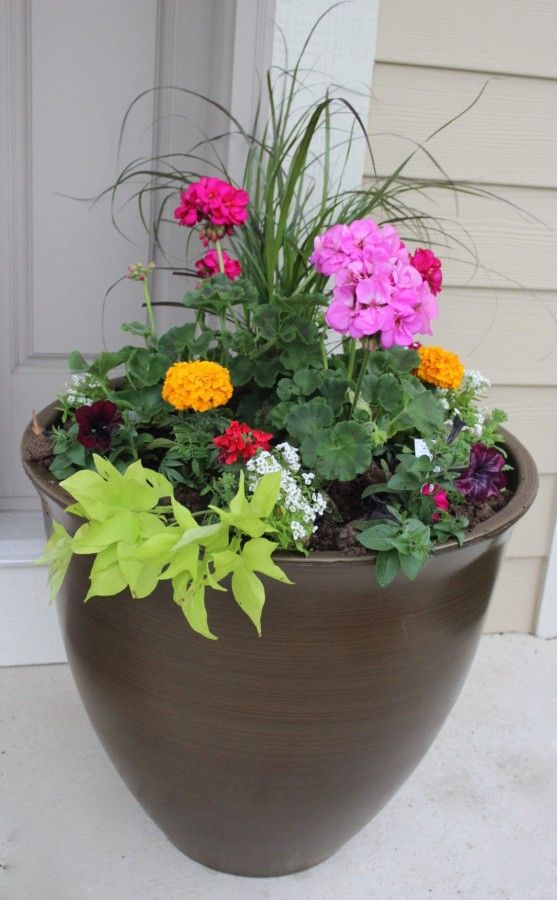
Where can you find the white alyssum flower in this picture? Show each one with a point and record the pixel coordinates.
(481, 416)
(475, 380)
(83, 390)
(302, 506)
(298, 531)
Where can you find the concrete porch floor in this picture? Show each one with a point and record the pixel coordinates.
(476, 821)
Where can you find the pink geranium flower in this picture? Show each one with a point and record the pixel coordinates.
(389, 295)
(402, 326)
(209, 265)
(332, 250)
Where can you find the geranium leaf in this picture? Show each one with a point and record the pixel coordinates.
(341, 452)
(306, 419)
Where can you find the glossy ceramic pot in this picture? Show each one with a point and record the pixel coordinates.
(262, 756)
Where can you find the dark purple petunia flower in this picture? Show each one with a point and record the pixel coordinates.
(483, 479)
(97, 423)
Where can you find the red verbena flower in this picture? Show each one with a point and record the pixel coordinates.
(97, 424)
(429, 267)
(483, 478)
(209, 265)
(240, 441)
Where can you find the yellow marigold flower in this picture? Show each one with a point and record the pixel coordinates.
(439, 367)
(200, 385)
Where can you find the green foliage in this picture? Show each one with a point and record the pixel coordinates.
(404, 545)
(346, 409)
(140, 535)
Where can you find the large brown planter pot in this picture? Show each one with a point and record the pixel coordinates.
(262, 756)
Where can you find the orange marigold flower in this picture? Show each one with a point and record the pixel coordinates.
(199, 385)
(439, 367)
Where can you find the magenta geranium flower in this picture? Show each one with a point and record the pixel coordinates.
(215, 202)
(97, 424)
(483, 478)
(209, 265)
(429, 267)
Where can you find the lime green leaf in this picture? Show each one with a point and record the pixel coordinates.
(159, 544)
(249, 594)
(185, 560)
(194, 610)
(266, 494)
(182, 515)
(106, 582)
(106, 558)
(239, 503)
(149, 524)
(256, 555)
(57, 555)
(142, 575)
(199, 534)
(94, 536)
(224, 563)
(250, 525)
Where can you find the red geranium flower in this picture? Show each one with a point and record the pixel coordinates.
(239, 441)
(97, 423)
(429, 267)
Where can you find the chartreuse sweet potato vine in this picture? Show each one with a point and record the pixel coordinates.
(138, 540)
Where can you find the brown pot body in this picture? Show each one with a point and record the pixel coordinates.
(262, 756)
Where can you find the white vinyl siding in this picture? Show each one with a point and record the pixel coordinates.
(432, 59)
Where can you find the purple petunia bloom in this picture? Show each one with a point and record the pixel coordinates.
(97, 423)
(483, 479)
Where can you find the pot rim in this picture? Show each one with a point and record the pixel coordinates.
(523, 479)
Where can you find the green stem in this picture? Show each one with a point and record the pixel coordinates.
(351, 359)
(324, 359)
(220, 257)
(360, 381)
(150, 314)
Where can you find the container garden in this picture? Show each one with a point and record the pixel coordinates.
(275, 536)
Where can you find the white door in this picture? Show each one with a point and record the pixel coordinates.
(68, 70)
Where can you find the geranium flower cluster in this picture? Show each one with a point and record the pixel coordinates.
(379, 290)
(209, 265)
(298, 505)
(219, 208)
(240, 442)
